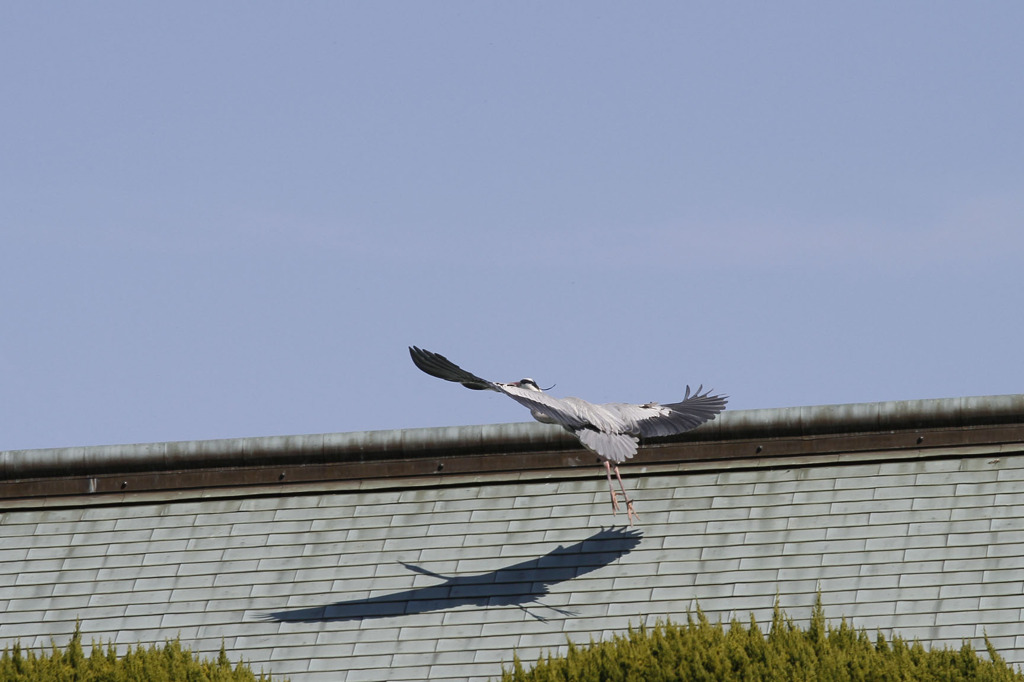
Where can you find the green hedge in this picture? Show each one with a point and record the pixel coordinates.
(170, 663)
(700, 651)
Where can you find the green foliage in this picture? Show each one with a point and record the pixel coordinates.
(171, 663)
(705, 652)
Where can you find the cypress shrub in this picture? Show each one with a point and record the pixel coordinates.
(170, 663)
(705, 652)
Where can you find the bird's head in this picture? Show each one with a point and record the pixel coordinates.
(527, 383)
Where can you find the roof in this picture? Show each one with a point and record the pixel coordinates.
(906, 516)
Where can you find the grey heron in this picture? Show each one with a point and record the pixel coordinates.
(611, 430)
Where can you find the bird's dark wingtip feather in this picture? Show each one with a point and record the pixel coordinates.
(437, 365)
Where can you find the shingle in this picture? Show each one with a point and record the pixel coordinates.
(1006, 521)
(129, 567)
(980, 488)
(1010, 577)
(1003, 601)
(815, 572)
(769, 484)
(861, 470)
(374, 670)
(1001, 643)
(55, 515)
(457, 529)
(819, 516)
(124, 541)
(950, 526)
(13, 532)
(865, 532)
(348, 525)
(61, 530)
(194, 594)
(873, 483)
(872, 506)
(754, 525)
(708, 514)
(860, 582)
(140, 522)
(920, 491)
(221, 518)
(10, 557)
(416, 543)
(960, 590)
(938, 515)
(914, 466)
(419, 520)
(54, 563)
(868, 609)
(1004, 554)
(783, 560)
(962, 502)
(830, 496)
(742, 551)
(495, 649)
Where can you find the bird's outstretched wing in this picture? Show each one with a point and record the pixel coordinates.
(437, 365)
(563, 412)
(654, 420)
(568, 412)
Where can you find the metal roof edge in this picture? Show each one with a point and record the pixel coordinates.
(361, 446)
(865, 417)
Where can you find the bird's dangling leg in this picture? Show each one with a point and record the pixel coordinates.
(630, 512)
(611, 487)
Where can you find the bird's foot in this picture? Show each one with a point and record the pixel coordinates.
(630, 512)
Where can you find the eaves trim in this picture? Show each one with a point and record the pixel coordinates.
(462, 451)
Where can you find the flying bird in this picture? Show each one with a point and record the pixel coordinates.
(611, 430)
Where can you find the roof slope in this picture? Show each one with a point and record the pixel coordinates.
(431, 578)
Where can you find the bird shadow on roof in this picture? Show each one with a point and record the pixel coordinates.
(522, 584)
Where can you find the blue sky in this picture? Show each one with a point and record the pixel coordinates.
(231, 219)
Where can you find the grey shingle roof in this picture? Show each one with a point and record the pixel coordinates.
(331, 581)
